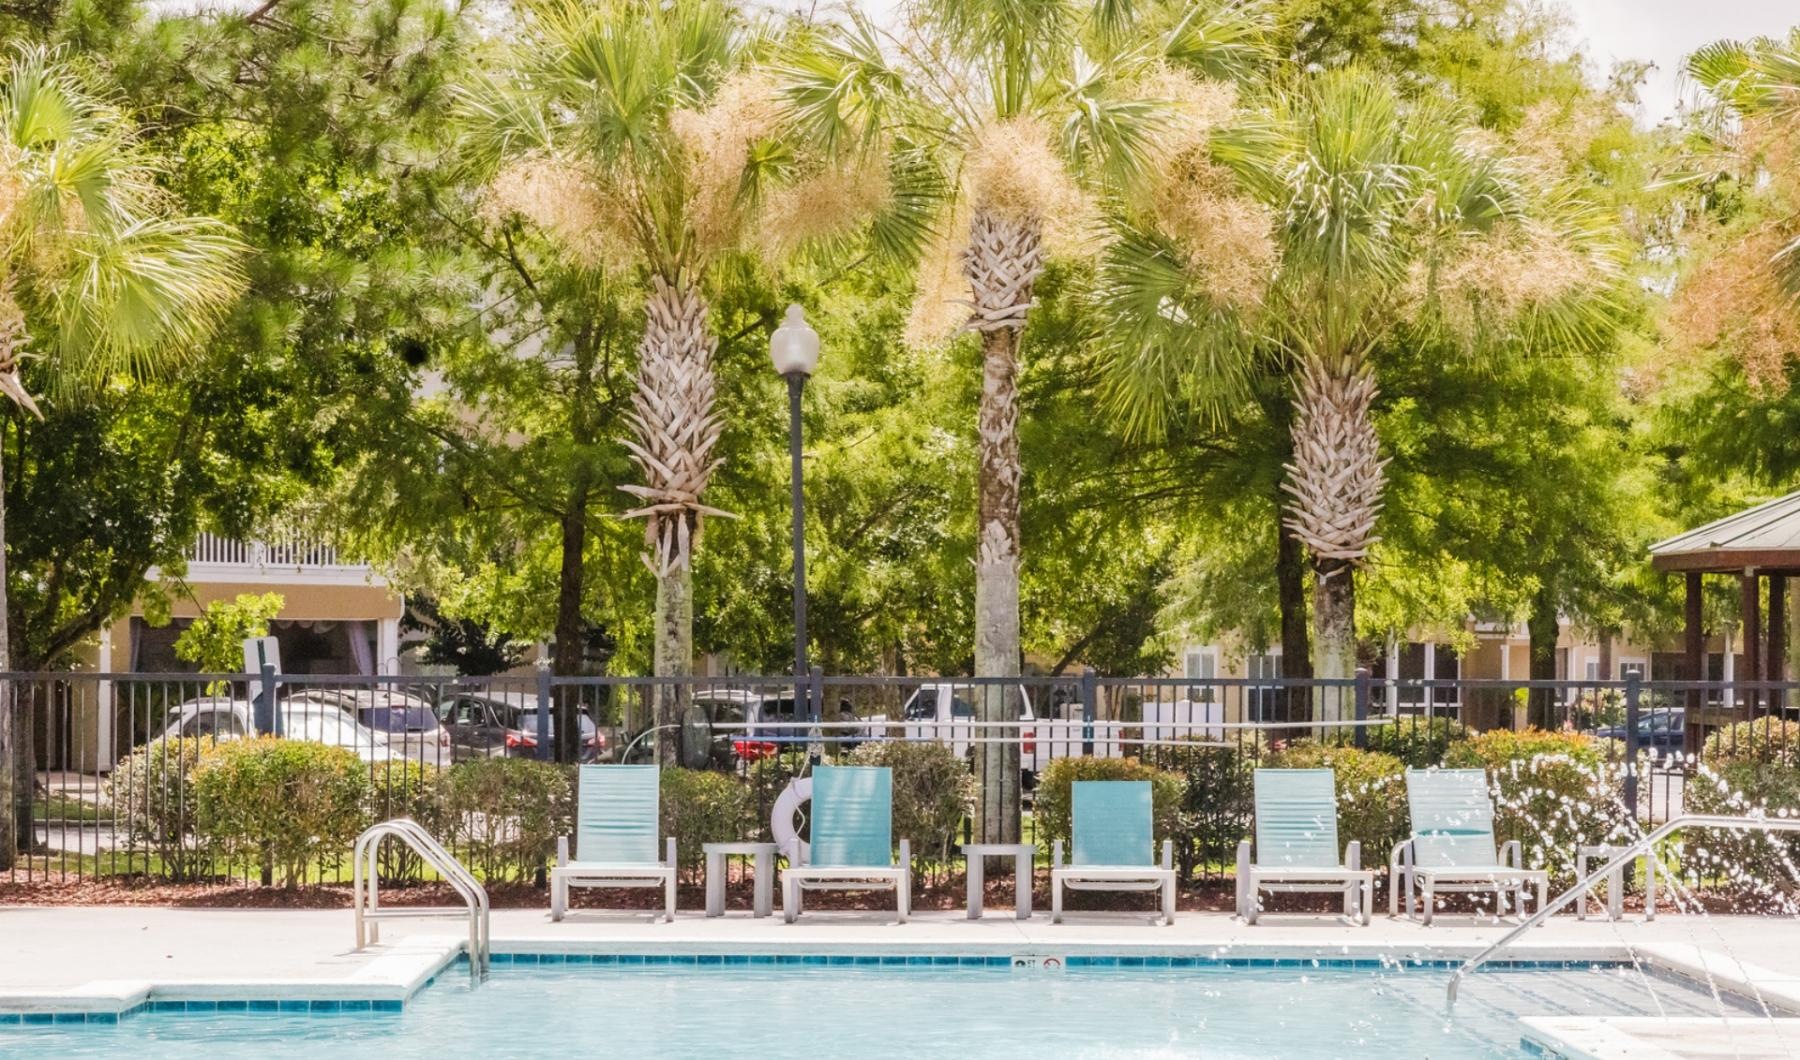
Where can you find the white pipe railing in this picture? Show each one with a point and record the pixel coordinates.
(1628, 854)
(367, 903)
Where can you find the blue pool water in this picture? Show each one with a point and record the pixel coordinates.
(858, 1011)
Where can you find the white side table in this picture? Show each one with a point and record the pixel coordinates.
(1023, 854)
(716, 853)
(1615, 881)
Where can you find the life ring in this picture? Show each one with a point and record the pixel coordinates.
(782, 820)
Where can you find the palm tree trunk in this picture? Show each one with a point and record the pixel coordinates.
(1296, 642)
(1335, 484)
(676, 432)
(11, 838)
(1004, 258)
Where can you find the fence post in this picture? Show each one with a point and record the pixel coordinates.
(1090, 696)
(1634, 693)
(815, 706)
(1364, 690)
(544, 749)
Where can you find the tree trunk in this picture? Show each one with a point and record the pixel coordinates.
(1003, 260)
(674, 657)
(570, 629)
(13, 838)
(1334, 624)
(1296, 646)
(675, 435)
(1543, 628)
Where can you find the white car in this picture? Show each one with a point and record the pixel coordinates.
(945, 712)
(219, 718)
(408, 722)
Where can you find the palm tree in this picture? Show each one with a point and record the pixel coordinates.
(99, 278)
(646, 141)
(1744, 296)
(1382, 218)
(1017, 117)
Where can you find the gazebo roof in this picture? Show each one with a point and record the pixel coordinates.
(1766, 537)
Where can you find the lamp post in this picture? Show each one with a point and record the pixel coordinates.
(794, 349)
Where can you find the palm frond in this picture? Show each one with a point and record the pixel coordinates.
(1226, 40)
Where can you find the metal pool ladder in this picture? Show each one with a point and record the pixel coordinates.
(369, 912)
(1629, 853)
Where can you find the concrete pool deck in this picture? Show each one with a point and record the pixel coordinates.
(111, 959)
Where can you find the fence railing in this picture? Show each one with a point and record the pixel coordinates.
(113, 758)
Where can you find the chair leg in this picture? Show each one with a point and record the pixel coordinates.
(1168, 902)
(790, 899)
(1055, 900)
(559, 897)
(669, 898)
(1252, 899)
(903, 900)
(1368, 899)
(1428, 892)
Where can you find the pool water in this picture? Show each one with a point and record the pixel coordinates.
(1294, 1010)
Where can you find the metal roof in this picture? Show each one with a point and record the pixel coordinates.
(1766, 536)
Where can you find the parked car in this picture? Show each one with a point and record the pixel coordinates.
(748, 726)
(496, 724)
(1662, 732)
(408, 722)
(227, 719)
(934, 710)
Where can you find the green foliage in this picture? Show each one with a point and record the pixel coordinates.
(1765, 863)
(1552, 792)
(700, 807)
(281, 803)
(1216, 803)
(1759, 741)
(933, 791)
(401, 788)
(503, 815)
(1417, 742)
(215, 641)
(1371, 793)
(1054, 811)
(152, 795)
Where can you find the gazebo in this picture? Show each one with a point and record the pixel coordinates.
(1756, 545)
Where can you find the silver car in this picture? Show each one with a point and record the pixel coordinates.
(408, 722)
(217, 718)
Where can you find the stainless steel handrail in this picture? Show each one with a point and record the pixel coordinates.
(367, 902)
(1629, 854)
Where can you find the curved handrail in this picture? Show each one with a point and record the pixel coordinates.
(1630, 853)
(367, 904)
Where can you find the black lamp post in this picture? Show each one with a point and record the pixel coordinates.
(794, 348)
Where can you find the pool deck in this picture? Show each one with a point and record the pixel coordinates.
(111, 959)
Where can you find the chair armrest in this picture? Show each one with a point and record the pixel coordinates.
(562, 851)
(669, 845)
(1353, 854)
(1512, 854)
(1056, 854)
(1400, 858)
(906, 854)
(1168, 854)
(1243, 858)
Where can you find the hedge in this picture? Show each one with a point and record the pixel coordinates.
(502, 815)
(1054, 789)
(282, 803)
(1552, 791)
(152, 789)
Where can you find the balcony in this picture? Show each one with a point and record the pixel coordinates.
(289, 559)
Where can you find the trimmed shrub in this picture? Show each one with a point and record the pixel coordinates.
(1053, 811)
(152, 794)
(1761, 741)
(1552, 791)
(1419, 743)
(700, 807)
(503, 815)
(285, 803)
(403, 789)
(1371, 794)
(1216, 801)
(933, 791)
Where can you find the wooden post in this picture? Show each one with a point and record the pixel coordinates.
(1751, 587)
(1775, 658)
(1694, 658)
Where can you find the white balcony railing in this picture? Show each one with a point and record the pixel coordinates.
(288, 557)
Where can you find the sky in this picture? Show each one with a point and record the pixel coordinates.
(1663, 31)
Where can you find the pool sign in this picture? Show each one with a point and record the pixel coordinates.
(258, 653)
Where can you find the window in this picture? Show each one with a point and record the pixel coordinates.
(1201, 664)
(1593, 669)
(1630, 668)
(1261, 699)
(1413, 657)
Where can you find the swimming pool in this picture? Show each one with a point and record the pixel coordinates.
(1096, 1007)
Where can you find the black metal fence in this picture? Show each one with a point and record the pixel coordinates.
(113, 759)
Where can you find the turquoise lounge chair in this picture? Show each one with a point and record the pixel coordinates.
(1112, 846)
(1452, 847)
(1297, 845)
(616, 821)
(852, 846)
